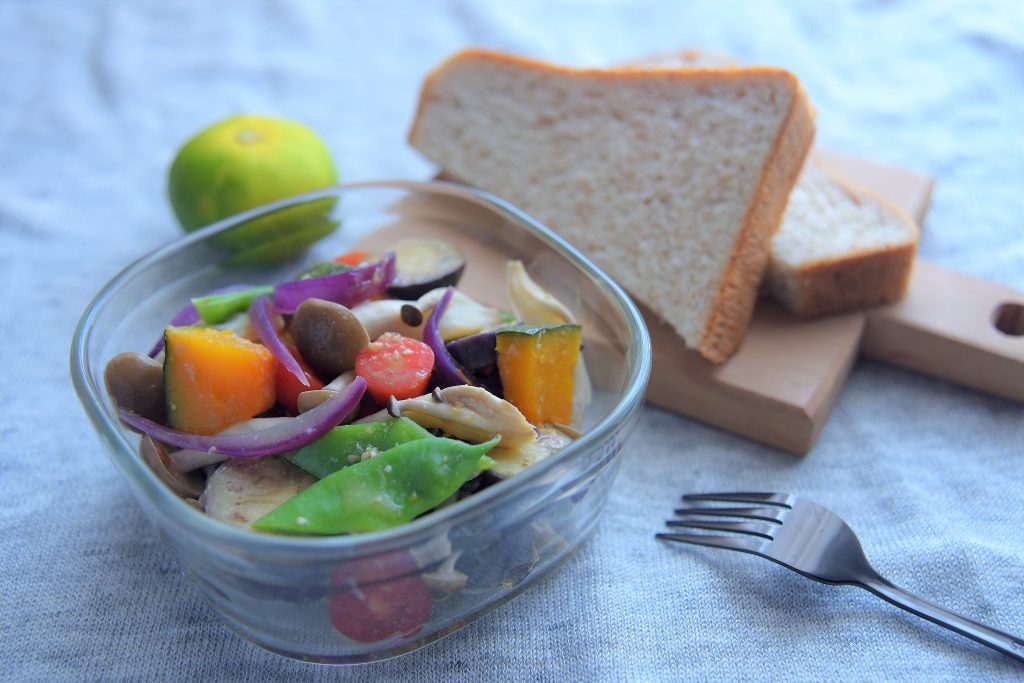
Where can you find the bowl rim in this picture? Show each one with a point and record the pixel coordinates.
(96, 402)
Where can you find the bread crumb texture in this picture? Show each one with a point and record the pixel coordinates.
(672, 180)
(839, 247)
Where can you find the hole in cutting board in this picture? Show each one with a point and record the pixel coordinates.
(1008, 318)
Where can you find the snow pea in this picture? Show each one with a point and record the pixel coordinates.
(348, 444)
(216, 308)
(386, 491)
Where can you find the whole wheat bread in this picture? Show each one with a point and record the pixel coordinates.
(673, 181)
(840, 247)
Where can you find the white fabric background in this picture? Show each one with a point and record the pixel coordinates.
(95, 97)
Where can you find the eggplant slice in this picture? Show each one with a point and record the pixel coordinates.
(423, 264)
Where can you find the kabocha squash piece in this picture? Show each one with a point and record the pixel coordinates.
(536, 365)
(214, 378)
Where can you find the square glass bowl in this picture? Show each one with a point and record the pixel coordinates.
(288, 593)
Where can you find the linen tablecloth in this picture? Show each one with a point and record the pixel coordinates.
(96, 97)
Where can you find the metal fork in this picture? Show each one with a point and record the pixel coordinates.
(813, 541)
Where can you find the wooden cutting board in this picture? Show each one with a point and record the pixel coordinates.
(781, 385)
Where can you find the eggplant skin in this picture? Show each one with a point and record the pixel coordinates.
(477, 356)
(475, 352)
(424, 264)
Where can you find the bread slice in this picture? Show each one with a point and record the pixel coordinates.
(673, 181)
(839, 248)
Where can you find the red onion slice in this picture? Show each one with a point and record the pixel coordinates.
(348, 288)
(446, 370)
(295, 433)
(261, 313)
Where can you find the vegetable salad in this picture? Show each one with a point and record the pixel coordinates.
(359, 395)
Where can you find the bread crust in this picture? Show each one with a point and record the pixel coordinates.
(737, 294)
(736, 291)
(870, 278)
(861, 279)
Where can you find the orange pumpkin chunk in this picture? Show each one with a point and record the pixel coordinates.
(536, 368)
(214, 378)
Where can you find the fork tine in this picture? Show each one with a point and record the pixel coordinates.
(746, 545)
(766, 514)
(762, 529)
(781, 499)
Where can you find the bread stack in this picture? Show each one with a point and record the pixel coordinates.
(674, 180)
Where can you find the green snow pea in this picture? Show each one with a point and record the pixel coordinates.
(346, 445)
(216, 308)
(383, 492)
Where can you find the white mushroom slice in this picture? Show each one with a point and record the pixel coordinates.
(446, 578)
(431, 551)
(535, 306)
(510, 461)
(385, 315)
(464, 316)
(308, 400)
(531, 304)
(187, 460)
(242, 490)
(465, 412)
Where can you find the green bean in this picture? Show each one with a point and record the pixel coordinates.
(383, 492)
(349, 444)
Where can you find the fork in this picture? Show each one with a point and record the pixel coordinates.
(813, 541)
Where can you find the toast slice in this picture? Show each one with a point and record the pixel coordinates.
(840, 247)
(673, 181)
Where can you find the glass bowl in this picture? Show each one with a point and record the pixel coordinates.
(286, 593)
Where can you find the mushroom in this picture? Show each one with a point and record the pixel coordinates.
(308, 400)
(187, 460)
(385, 315)
(136, 383)
(446, 578)
(464, 316)
(512, 460)
(241, 491)
(535, 306)
(184, 484)
(328, 335)
(530, 302)
(466, 412)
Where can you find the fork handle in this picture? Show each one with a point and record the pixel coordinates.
(995, 639)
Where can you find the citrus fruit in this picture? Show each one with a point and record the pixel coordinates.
(244, 162)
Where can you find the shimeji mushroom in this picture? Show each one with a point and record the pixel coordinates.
(474, 414)
(465, 316)
(465, 412)
(184, 484)
(241, 491)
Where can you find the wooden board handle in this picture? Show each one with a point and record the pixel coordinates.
(956, 327)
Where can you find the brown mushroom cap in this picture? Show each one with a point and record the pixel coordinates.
(136, 383)
(186, 485)
(328, 335)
